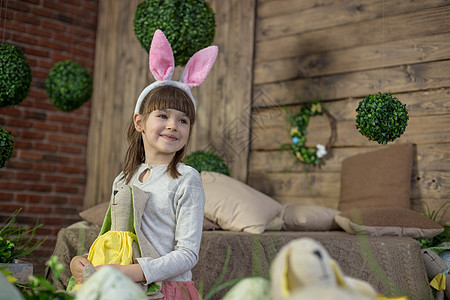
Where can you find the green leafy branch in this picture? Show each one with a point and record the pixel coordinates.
(203, 160)
(440, 238)
(13, 243)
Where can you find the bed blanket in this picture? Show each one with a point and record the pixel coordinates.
(393, 265)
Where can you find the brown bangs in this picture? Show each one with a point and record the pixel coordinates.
(168, 97)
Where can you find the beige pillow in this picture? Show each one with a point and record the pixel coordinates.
(309, 218)
(377, 179)
(390, 221)
(235, 206)
(276, 223)
(95, 214)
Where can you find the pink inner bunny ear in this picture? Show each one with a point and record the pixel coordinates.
(161, 60)
(199, 66)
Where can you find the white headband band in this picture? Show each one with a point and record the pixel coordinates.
(156, 84)
(162, 64)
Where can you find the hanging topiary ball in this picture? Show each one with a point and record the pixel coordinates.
(68, 85)
(203, 160)
(6, 146)
(381, 118)
(189, 25)
(15, 75)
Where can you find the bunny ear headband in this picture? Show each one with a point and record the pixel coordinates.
(162, 64)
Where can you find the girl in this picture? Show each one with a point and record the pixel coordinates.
(158, 136)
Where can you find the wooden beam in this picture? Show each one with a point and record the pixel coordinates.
(121, 72)
(370, 32)
(407, 78)
(428, 157)
(301, 18)
(395, 53)
(418, 131)
(224, 99)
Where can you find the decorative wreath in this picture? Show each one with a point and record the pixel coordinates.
(299, 123)
(381, 118)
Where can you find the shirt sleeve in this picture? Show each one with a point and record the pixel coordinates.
(189, 210)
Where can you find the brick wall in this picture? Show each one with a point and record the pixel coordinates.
(47, 174)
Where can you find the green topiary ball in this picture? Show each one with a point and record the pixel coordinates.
(68, 85)
(381, 118)
(15, 75)
(189, 25)
(6, 146)
(206, 161)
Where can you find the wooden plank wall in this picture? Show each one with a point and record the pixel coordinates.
(224, 99)
(340, 51)
(121, 72)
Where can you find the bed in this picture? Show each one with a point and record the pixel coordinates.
(393, 265)
(372, 234)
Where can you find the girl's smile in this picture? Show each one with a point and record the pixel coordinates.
(169, 137)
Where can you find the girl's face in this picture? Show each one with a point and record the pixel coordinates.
(164, 133)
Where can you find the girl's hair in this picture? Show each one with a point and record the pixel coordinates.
(163, 97)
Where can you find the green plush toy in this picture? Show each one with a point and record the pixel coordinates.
(120, 240)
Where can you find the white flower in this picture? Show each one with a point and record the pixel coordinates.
(321, 151)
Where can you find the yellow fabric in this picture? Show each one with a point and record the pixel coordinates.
(438, 282)
(339, 277)
(284, 278)
(113, 247)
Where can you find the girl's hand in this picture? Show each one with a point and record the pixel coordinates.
(76, 267)
(134, 271)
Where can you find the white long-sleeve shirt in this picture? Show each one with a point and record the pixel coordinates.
(172, 220)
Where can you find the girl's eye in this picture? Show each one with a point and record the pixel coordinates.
(163, 116)
(184, 121)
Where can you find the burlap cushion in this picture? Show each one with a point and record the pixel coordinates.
(380, 178)
(95, 214)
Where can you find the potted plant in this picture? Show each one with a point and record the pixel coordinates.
(189, 25)
(15, 75)
(42, 288)
(68, 85)
(38, 288)
(17, 242)
(203, 160)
